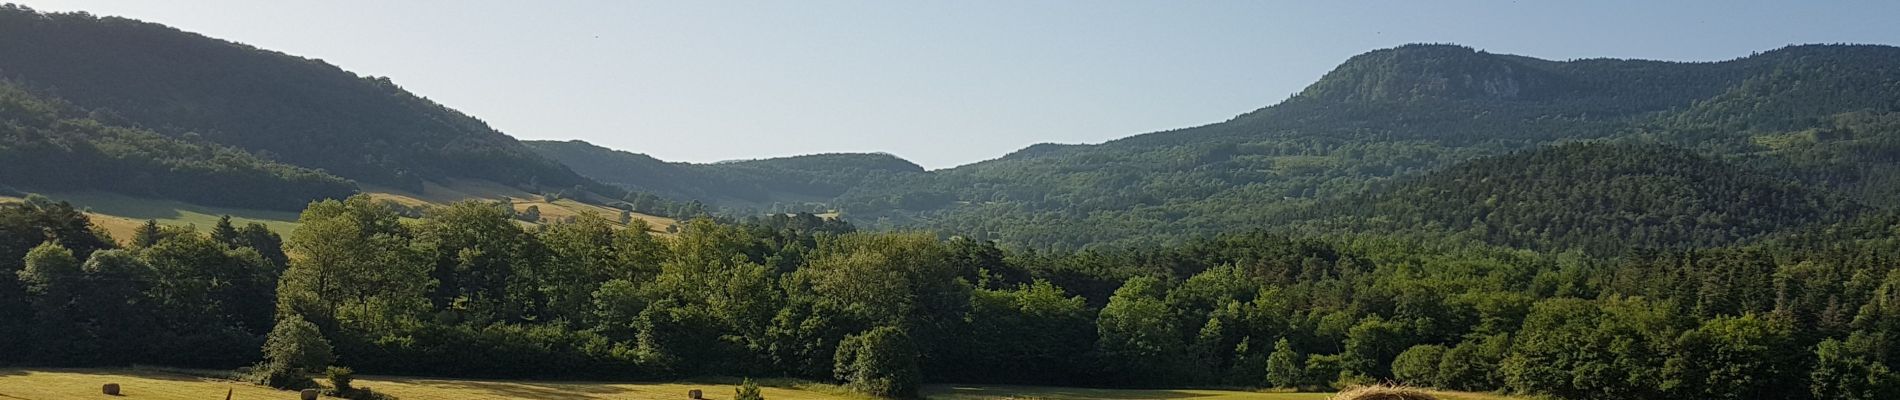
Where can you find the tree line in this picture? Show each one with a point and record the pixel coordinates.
(467, 291)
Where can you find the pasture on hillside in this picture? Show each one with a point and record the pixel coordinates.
(120, 214)
(450, 191)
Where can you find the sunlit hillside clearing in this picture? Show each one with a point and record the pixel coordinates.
(434, 194)
(120, 214)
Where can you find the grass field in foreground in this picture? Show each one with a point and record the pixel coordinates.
(63, 384)
(60, 384)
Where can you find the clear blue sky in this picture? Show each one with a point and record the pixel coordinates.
(939, 83)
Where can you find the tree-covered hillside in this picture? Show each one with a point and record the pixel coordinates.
(1814, 113)
(49, 144)
(294, 110)
(1594, 196)
(1384, 115)
(799, 183)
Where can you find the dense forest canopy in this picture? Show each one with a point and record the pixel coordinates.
(49, 144)
(1599, 197)
(467, 292)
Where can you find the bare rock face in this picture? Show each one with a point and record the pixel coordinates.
(1503, 85)
(1433, 71)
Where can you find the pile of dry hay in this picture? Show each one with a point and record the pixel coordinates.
(1383, 393)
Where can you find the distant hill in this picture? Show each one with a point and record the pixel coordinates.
(1800, 86)
(1598, 196)
(786, 181)
(1822, 114)
(632, 170)
(290, 109)
(1411, 110)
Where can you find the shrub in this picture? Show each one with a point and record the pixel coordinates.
(1322, 370)
(1418, 365)
(1473, 364)
(296, 343)
(1283, 366)
(294, 348)
(279, 376)
(340, 382)
(880, 362)
(1350, 378)
(340, 378)
(747, 390)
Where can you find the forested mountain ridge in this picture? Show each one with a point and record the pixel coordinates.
(1820, 114)
(294, 110)
(1797, 86)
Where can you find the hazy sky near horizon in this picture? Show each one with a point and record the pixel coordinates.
(939, 83)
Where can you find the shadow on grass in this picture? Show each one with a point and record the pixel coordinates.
(520, 389)
(1050, 393)
(139, 208)
(107, 375)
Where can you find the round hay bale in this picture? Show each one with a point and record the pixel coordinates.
(695, 394)
(110, 389)
(309, 394)
(1383, 393)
